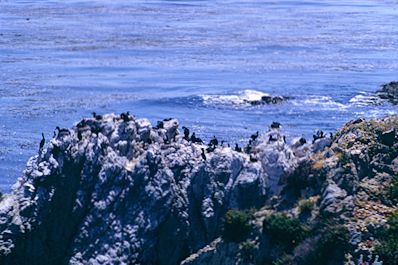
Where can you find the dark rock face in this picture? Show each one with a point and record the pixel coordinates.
(390, 92)
(114, 190)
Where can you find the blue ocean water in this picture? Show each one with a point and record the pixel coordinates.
(194, 60)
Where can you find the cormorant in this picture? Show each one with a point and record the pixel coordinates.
(214, 141)
(42, 142)
(125, 116)
(254, 136)
(275, 125)
(96, 116)
(186, 133)
(203, 154)
(237, 148)
(318, 135)
(302, 141)
(79, 135)
(195, 139)
(253, 159)
(62, 132)
(271, 139)
(160, 125)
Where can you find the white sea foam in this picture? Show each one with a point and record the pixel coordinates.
(242, 98)
(323, 102)
(365, 99)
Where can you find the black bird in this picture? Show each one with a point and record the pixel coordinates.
(42, 142)
(214, 141)
(302, 141)
(284, 139)
(96, 116)
(271, 139)
(186, 133)
(275, 125)
(237, 148)
(79, 135)
(160, 125)
(203, 154)
(195, 139)
(254, 136)
(125, 116)
(62, 132)
(318, 135)
(253, 159)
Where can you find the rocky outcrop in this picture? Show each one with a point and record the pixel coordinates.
(342, 187)
(115, 190)
(390, 92)
(267, 99)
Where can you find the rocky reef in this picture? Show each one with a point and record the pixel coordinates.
(389, 91)
(117, 190)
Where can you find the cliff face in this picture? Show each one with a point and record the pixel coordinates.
(340, 196)
(115, 190)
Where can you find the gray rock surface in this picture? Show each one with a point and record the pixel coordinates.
(389, 91)
(115, 190)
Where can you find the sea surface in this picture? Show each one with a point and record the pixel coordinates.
(193, 60)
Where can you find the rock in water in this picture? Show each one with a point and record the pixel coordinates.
(123, 192)
(390, 92)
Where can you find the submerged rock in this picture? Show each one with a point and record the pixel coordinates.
(389, 91)
(115, 190)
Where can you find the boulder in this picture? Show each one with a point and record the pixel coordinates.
(389, 91)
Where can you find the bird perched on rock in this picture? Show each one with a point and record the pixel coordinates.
(96, 116)
(253, 159)
(275, 125)
(195, 139)
(125, 116)
(213, 142)
(62, 132)
(42, 142)
(254, 136)
(160, 125)
(237, 148)
(318, 135)
(186, 133)
(302, 140)
(203, 154)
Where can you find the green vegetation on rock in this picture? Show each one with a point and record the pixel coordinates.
(237, 225)
(388, 247)
(284, 229)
